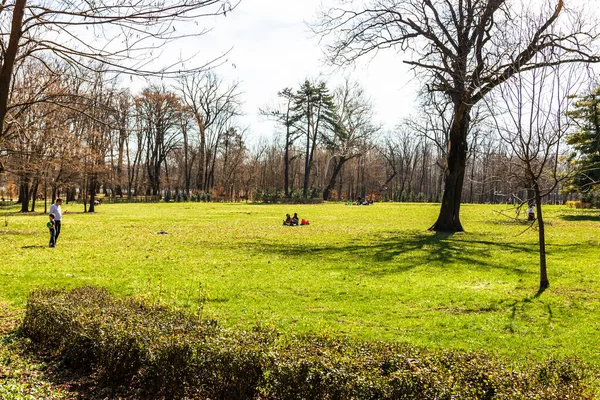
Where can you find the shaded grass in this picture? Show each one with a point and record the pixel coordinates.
(21, 375)
(371, 273)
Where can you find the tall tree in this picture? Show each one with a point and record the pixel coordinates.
(586, 144)
(159, 112)
(214, 104)
(120, 35)
(463, 50)
(400, 150)
(123, 121)
(289, 114)
(233, 151)
(352, 133)
(318, 116)
(530, 117)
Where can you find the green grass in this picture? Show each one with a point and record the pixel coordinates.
(372, 273)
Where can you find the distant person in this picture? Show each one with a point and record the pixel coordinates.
(531, 212)
(51, 227)
(295, 219)
(56, 210)
(288, 220)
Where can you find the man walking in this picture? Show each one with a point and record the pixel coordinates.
(55, 209)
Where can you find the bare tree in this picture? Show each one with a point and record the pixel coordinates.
(213, 105)
(400, 150)
(120, 35)
(533, 122)
(233, 151)
(159, 114)
(37, 119)
(463, 50)
(135, 147)
(353, 132)
(289, 116)
(189, 155)
(122, 115)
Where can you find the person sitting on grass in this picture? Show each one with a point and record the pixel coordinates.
(51, 227)
(288, 220)
(295, 220)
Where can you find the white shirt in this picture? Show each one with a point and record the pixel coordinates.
(54, 209)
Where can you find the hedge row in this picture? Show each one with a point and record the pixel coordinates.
(173, 355)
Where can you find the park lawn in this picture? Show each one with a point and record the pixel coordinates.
(369, 272)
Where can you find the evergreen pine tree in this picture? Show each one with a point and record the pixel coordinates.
(586, 145)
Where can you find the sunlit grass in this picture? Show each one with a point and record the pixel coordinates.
(371, 272)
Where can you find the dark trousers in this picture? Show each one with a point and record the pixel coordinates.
(52, 237)
(57, 227)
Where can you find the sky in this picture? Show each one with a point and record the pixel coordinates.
(271, 48)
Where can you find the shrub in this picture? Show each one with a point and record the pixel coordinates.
(173, 354)
(340, 369)
(128, 340)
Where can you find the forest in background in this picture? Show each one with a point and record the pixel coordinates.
(78, 136)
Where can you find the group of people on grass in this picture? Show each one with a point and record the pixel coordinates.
(294, 221)
(361, 202)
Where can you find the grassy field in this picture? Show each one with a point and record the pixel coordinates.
(371, 272)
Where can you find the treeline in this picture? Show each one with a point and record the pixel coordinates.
(80, 135)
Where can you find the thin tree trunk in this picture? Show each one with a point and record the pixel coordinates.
(84, 195)
(121, 150)
(544, 283)
(92, 194)
(201, 152)
(34, 190)
(472, 179)
(307, 159)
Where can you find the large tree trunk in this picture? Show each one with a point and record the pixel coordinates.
(449, 217)
(24, 194)
(336, 170)
(71, 195)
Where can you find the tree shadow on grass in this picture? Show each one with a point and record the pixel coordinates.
(399, 253)
(579, 218)
(25, 214)
(520, 308)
